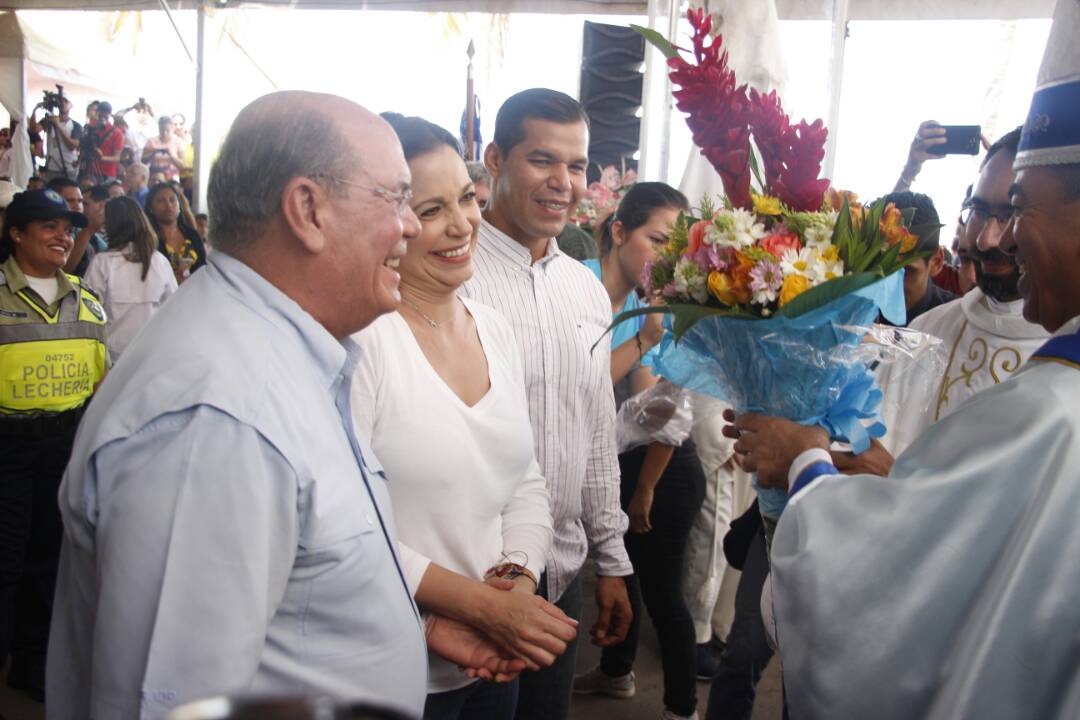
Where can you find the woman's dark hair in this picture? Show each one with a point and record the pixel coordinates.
(7, 245)
(635, 209)
(418, 136)
(184, 221)
(127, 226)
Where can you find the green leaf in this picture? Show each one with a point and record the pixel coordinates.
(756, 169)
(826, 292)
(686, 316)
(843, 235)
(660, 42)
(628, 314)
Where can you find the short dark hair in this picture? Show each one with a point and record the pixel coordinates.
(98, 193)
(538, 103)
(925, 214)
(418, 136)
(1009, 141)
(636, 207)
(59, 183)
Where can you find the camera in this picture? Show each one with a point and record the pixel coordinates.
(53, 102)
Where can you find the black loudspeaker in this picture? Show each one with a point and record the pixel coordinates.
(612, 77)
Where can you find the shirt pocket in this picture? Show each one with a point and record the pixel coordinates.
(338, 510)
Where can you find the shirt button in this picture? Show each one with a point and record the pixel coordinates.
(370, 520)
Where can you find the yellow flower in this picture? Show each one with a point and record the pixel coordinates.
(831, 254)
(794, 285)
(835, 198)
(721, 286)
(766, 204)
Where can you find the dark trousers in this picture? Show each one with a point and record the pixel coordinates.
(477, 701)
(545, 694)
(30, 534)
(747, 651)
(658, 557)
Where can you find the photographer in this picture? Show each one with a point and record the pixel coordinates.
(101, 145)
(140, 126)
(164, 152)
(63, 135)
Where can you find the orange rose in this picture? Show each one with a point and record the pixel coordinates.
(721, 285)
(696, 236)
(835, 198)
(794, 286)
(739, 269)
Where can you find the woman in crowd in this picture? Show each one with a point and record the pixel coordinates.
(52, 358)
(662, 486)
(133, 278)
(444, 374)
(178, 240)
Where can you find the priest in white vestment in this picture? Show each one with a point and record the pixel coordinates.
(985, 334)
(948, 590)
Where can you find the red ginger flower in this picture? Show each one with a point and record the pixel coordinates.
(718, 109)
(791, 155)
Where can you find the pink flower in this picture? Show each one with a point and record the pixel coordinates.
(766, 277)
(710, 258)
(776, 245)
(697, 236)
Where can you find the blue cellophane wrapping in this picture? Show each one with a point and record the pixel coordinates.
(806, 369)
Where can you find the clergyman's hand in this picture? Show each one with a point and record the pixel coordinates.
(876, 460)
(615, 613)
(459, 643)
(768, 445)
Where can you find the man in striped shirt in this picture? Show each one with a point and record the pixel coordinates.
(558, 310)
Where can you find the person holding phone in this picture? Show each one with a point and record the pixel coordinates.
(932, 142)
(164, 153)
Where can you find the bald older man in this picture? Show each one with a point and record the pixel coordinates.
(226, 530)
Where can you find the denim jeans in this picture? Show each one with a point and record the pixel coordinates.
(658, 557)
(747, 652)
(477, 701)
(545, 695)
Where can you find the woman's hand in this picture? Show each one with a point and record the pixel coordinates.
(652, 330)
(463, 645)
(526, 626)
(640, 507)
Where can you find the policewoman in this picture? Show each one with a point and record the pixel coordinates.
(52, 358)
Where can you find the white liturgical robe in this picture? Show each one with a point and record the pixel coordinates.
(947, 590)
(986, 342)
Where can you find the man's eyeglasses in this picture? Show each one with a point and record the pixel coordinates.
(402, 199)
(978, 212)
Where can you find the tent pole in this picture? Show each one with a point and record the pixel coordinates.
(836, 79)
(201, 171)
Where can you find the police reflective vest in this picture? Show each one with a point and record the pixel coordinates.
(49, 361)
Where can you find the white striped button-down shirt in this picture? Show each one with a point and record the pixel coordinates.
(558, 310)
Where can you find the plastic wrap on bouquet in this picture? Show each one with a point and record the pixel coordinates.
(809, 369)
(664, 413)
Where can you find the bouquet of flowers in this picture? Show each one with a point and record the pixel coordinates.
(602, 197)
(771, 291)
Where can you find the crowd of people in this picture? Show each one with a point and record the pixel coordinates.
(369, 446)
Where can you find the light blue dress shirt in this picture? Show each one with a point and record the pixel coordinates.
(226, 531)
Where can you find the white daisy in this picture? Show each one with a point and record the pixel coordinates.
(690, 281)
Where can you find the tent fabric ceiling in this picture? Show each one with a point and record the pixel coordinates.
(787, 9)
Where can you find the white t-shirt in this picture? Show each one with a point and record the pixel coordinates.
(129, 301)
(463, 480)
(48, 288)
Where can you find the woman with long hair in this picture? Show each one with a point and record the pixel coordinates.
(662, 486)
(440, 393)
(177, 238)
(132, 277)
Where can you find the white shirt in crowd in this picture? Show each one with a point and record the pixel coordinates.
(464, 482)
(129, 300)
(558, 311)
(58, 156)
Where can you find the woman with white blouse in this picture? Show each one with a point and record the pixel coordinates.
(439, 393)
(132, 278)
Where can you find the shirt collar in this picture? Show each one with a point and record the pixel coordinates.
(16, 278)
(331, 357)
(510, 250)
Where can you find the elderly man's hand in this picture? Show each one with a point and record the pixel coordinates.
(463, 645)
(768, 445)
(874, 461)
